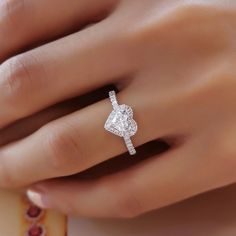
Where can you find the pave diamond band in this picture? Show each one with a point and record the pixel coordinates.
(121, 123)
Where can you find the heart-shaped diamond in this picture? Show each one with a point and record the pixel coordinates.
(120, 122)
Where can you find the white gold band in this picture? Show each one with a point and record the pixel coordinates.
(129, 145)
(113, 99)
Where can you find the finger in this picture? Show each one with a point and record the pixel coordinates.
(25, 23)
(73, 143)
(31, 124)
(154, 183)
(60, 70)
(15, 132)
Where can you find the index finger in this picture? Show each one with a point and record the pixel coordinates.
(27, 23)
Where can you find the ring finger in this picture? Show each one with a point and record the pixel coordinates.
(74, 143)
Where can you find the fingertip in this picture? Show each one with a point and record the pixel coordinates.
(39, 199)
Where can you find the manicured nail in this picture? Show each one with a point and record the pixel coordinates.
(38, 199)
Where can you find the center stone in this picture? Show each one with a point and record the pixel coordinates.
(121, 122)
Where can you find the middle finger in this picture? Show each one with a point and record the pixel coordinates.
(60, 70)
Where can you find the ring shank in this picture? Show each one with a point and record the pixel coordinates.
(113, 99)
(129, 145)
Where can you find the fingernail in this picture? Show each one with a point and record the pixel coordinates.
(38, 199)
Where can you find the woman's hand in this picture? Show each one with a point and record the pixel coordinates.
(173, 62)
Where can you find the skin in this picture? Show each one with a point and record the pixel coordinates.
(173, 62)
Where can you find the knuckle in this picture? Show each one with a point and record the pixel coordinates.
(63, 148)
(18, 79)
(175, 20)
(13, 11)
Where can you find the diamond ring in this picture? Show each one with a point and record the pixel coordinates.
(121, 123)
